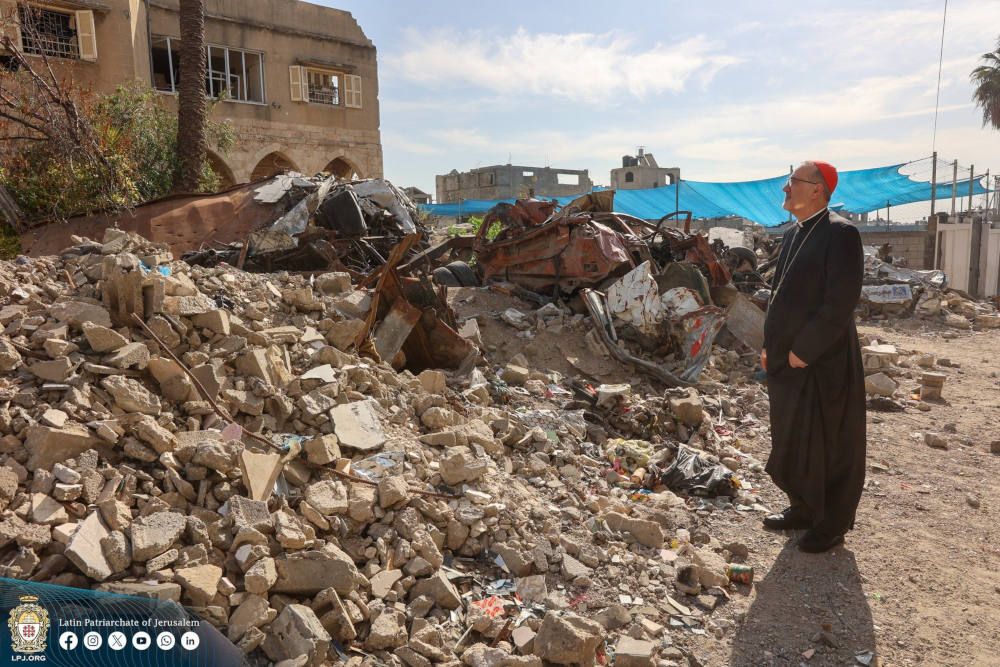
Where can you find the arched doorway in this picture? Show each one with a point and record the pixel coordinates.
(341, 168)
(271, 164)
(222, 170)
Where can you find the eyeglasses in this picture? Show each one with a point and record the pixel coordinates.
(801, 180)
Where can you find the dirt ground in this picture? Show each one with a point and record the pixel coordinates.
(918, 580)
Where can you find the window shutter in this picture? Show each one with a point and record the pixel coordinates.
(86, 35)
(352, 91)
(295, 82)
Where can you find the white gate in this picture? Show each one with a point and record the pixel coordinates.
(954, 244)
(992, 263)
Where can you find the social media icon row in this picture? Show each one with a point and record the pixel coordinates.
(140, 641)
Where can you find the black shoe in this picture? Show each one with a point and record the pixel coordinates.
(790, 519)
(816, 541)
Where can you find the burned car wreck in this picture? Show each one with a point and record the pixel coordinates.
(662, 289)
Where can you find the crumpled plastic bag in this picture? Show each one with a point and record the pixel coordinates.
(691, 473)
(628, 454)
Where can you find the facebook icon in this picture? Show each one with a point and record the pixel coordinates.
(67, 641)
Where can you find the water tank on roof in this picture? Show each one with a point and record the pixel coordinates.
(629, 161)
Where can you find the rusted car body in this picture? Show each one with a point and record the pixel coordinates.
(539, 249)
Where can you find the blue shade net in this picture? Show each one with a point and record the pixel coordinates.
(858, 191)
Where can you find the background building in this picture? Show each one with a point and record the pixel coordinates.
(416, 195)
(641, 172)
(298, 82)
(505, 181)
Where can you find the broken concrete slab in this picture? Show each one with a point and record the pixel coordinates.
(131, 396)
(357, 426)
(567, 639)
(309, 572)
(75, 313)
(201, 583)
(153, 534)
(297, 631)
(84, 548)
(47, 445)
(260, 471)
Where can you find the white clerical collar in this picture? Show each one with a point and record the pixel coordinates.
(812, 217)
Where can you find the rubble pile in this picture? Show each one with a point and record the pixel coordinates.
(894, 291)
(320, 222)
(226, 440)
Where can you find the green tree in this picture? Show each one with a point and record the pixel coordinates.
(986, 79)
(135, 137)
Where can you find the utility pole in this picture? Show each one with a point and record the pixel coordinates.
(986, 207)
(933, 183)
(972, 181)
(677, 194)
(954, 186)
(996, 194)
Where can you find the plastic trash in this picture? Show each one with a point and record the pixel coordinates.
(690, 473)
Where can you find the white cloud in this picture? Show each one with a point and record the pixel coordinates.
(582, 67)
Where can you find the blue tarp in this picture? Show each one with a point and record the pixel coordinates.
(858, 191)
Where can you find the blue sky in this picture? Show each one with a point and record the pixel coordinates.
(726, 91)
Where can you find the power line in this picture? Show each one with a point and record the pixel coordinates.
(937, 97)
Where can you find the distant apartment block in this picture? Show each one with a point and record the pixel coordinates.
(298, 82)
(506, 181)
(640, 172)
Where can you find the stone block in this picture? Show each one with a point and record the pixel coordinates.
(323, 449)
(84, 548)
(216, 321)
(155, 533)
(357, 426)
(308, 572)
(47, 446)
(295, 632)
(567, 639)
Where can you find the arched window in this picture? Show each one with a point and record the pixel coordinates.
(341, 168)
(629, 177)
(271, 164)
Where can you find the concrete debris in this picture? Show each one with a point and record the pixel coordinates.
(245, 451)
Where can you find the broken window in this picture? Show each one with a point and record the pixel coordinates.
(234, 74)
(58, 34)
(629, 177)
(323, 86)
(568, 179)
(166, 63)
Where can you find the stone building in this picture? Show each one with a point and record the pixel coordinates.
(640, 172)
(416, 195)
(506, 181)
(297, 81)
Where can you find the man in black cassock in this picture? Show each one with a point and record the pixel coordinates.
(812, 357)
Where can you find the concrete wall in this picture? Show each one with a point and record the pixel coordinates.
(304, 135)
(509, 181)
(912, 243)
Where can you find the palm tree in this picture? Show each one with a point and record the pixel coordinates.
(191, 108)
(986, 78)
